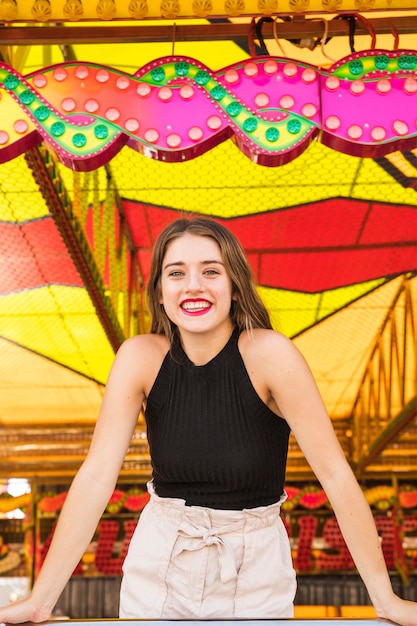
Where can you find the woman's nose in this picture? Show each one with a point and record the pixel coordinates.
(194, 282)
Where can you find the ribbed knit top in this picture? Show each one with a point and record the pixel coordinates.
(213, 441)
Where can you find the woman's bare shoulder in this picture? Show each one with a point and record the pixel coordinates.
(265, 342)
(147, 341)
(146, 348)
(139, 360)
(270, 353)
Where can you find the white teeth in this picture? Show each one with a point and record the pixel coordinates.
(195, 306)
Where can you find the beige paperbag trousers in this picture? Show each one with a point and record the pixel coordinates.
(189, 562)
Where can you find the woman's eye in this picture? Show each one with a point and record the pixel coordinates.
(175, 273)
(211, 272)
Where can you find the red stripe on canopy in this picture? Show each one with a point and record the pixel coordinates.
(33, 254)
(309, 248)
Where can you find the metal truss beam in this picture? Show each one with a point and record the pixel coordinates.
(388, 435)
(386, 403)
(59, 204)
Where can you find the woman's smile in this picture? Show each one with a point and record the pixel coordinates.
(195, 306)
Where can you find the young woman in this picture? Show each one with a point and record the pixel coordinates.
(221, 391)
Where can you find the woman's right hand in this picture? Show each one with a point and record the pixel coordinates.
(23, 611)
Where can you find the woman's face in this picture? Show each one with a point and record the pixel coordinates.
(196, 290)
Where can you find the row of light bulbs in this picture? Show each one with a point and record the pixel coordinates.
(73, 10)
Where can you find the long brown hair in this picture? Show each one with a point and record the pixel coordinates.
(247, 310)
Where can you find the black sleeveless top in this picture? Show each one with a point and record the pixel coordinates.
(213, 441)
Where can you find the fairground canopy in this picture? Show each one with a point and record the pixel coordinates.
(296, 129)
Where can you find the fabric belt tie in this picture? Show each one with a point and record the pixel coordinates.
(197, 537)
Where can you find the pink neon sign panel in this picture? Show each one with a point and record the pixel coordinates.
(176, 108)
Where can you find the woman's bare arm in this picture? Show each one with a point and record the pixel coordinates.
(92, 486)
(296, 395)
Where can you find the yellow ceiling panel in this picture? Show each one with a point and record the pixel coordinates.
(293, 312)
(39, 391)
(59, 323)
(338, 348)
(224, 182)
